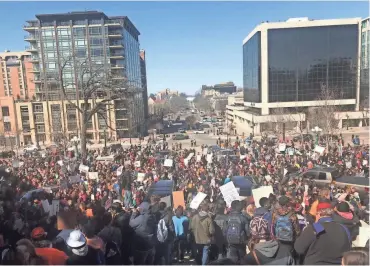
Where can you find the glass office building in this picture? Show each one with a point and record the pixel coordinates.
(106, 45)
(291, 61)
(365, 53)
(252, 69)
(302, 60)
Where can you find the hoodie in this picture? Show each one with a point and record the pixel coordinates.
(145, 227)
(202, 228)
(349, 220)
(270, 252)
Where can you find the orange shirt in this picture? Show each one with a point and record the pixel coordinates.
(52, 256)
(89, 213)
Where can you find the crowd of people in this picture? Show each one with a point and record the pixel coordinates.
(67, 210)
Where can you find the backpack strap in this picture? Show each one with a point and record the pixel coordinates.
(255, 257)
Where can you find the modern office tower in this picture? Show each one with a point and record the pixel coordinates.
(364, 69)
(287, 65)
(63, 44)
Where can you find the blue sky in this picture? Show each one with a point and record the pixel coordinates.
(187, 43)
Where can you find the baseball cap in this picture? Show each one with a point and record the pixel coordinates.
(38, 233)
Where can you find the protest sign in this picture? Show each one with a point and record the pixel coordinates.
(348, 164)
(261, 192)
(190, 156)
(93, 175)
(178, 199)
(290, 151)
(306, 188)
(282, 147)
(137, 164)
(119, 170)
(363, 236)
(45, 205)
(92, 197)
(140, 177)
(268, 178)
(168, 162)
(166, 200)
(74, 179)
(109, 158)
(209, 158)
(194, 204)
(205, 151)
(186, 161)
(229, 193)
(15, 163)
(364, 162)
(319, 149)
(199, 157)
(60, 162)
(83, 168)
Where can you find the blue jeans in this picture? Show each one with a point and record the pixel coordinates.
(203, 252)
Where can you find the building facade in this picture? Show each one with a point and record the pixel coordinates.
(364, 74)
(218, 89)
(287, 65)
(65, 45)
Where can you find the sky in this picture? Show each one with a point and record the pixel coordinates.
(187, 44)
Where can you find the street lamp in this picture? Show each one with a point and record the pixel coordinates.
(317, 131)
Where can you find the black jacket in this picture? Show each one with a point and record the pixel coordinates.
(353, 224)
(220, 221)
(270, 252)
(324, 248)
(245, 221)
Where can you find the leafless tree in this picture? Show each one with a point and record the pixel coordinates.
(94, 85)
(202, 103)
(191, 120)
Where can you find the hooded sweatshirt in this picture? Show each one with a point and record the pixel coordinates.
(202, 228)
(349, 220)
(270, 252)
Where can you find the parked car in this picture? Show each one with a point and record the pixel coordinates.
(180, 136)
(199, 131)
(305, 137)
(181, 130)
(30, 148)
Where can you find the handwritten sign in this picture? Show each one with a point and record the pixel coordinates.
(83, 168)
(119, 170)
(137, 164)
(168, 162)
(140, 177)
(60, 162)
(319, 149)
(282, 147)
(93, 175)
(230, 193)
(261, 192)
(194, 204)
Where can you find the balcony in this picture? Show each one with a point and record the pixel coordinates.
(113, 23)
(119, 77)
(115, 45)
(35, 70)
(117, 66)
(31, 38)
(114, 34)
(31, 26)
(116, 56)
(31, 49)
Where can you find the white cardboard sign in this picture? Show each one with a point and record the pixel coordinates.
(194, 204)
(229, 193)
(93, 175)
(140, 177)
(261, 192)
(119, 170)
(319, 149)
(168, 162)
(137, 164)
(83, 168)
(282, 147)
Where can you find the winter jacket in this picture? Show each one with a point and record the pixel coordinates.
(349, 220)
(284, 211)
(111, 234)
(245, 220)
(220, 221)
(270, 252)
(202, 228)
(326, 247)
(145, 228)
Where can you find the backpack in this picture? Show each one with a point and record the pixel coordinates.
(112, 253)
(284, 228)
(234, 231)
(162, 231)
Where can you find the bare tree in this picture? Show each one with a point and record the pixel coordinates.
(95, 86)
(191, 120)
(202, 103)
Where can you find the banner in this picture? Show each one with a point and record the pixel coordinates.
(93, 175)
(229, 193)
(83, 168)
(109, 158)
(178, 199)
(194, 204)
(261, 192)
(168, 162)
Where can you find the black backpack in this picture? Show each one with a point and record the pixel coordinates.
(112, 253)
(234, 231)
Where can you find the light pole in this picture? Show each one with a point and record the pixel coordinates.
(317, 131)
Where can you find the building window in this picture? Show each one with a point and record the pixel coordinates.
(40, 128)
(5, 110)
(95, 30)
(80, 31)
(7, 127)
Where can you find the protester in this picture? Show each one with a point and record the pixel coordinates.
(357, 256)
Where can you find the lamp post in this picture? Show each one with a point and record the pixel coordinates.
(317, 131)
